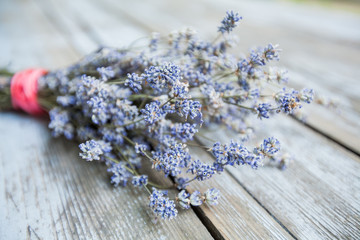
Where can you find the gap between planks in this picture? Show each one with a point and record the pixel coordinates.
(35, 137)
(215, 235)
(317, 132)
(344, 134)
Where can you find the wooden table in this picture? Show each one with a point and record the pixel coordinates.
(47, 192)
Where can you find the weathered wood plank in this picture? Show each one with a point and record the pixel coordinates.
(214, 208)
(238, 215)
(85, 16)
(318, 195)
(76, 34)
(46, 191)
(299, 197)
(324, 60)
(24, 38)
(320, 53)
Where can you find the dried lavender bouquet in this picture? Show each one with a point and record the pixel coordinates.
(147, 104)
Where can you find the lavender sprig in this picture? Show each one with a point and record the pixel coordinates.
(128, 106)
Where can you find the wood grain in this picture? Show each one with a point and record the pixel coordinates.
(318, 195)
(310, 183)
(238, 214)
(25, 38)
(47, 192)
(223, 221)
(316, 55)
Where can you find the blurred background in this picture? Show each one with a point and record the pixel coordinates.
(317, 197)
(320, 39)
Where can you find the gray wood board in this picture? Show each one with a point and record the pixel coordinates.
(219, 221)
(46, 190)
(316, 55)
(318, 195)
(79, 31)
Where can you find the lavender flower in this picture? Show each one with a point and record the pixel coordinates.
(152, 112)
(288, 101)
(229, 22)
(162, 206)
(184, 131)
(171, 159)
(278, 75)
(271, 52)
(183, 199)
(154, 41)
(193, 77)
(85, 133)
(134, 106)
(140, 148)
(233, 154)
(106, 72)
(98, 109)
(60, 123)
(201, 170)
(196, 199)
(120, 174)
(157, 77)
(66, 101)
(92, 150)
(179, 90)
(134, 81)
(139, 181)
(307, 95)
(263, 110)
(188, 108)
(270, 146)
(212, 196)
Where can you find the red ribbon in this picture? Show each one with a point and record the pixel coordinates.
(24, 88)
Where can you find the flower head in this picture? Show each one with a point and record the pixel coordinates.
(139, 181)
(159, 76)
(270, 145)
(288, 101)
(307, 95)
(233, 154)
(140, 148)
(93, 149)
(99, 110)
(229, 22)
(188, 108)
(263, 110)
(152, 112)
(201, 170)
(106, 72)
(120, 174)
(184, 131)
(161, 205)
(211, 196)
(271, 52)
(183, 199)
(134, 81)
(60, 123)
(171, 159)
(196, 199)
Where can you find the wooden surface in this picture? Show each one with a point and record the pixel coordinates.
(47, 192)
